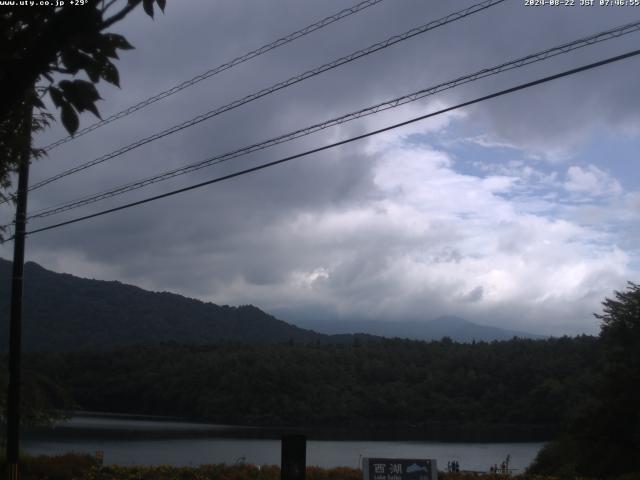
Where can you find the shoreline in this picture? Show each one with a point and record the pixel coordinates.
(105, 425)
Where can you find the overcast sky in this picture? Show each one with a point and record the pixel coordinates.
(520, 212)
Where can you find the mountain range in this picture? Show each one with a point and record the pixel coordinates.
(456, 328)
(64, 312)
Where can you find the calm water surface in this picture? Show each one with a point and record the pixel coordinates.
(121, 447)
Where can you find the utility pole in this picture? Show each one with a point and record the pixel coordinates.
(15, 333)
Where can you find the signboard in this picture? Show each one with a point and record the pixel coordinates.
(399, 469)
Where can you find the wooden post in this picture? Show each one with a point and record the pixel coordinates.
(15, 326)
(293, 462)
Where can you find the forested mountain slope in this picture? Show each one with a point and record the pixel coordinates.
(64, 312)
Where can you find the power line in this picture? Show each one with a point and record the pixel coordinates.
(452, 17)
(343, 142)
(220, 68)
(389, 104)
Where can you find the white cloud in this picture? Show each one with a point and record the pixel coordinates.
(591, 181)
(377, 230)
(435, 241)
(391, 138)
(488, 142)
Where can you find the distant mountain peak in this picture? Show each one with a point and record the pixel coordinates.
(67, 312)
(449, 320)
(451, 326)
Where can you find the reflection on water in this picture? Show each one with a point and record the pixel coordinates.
(193, 447)
(138, 423)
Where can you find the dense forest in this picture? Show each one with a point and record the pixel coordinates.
(518, 389)
(239, 365)
(601, 435)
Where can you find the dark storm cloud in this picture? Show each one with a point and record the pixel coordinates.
(242, 234)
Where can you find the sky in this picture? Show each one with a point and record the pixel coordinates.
(520, 212)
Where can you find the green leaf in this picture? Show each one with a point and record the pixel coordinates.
(161, 4)
(37, 103)
(81, 94)
(69, 118)
(93, 72)
(110, 74)
(75, 60)
(56, 96)
(79, 91)
(92, 64)
(107, 46)
(93, 109)
(148, 7)
(118, 41)
(71, 60)
(97, 66)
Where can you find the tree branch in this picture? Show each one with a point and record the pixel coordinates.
(108, 5)
(61, 70)
(120, 15)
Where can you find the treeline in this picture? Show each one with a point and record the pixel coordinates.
(501, 390)
(601, 438)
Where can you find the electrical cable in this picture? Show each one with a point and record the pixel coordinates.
(344, 142)
(452, 17)
(389, 104)
(220, 68)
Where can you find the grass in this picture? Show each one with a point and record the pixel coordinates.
(84, 467)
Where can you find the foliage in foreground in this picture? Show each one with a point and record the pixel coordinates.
(603, 439)
(43, 50)
(84, 467)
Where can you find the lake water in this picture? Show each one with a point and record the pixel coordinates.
(136, 441)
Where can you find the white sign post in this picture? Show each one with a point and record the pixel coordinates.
(399, 469)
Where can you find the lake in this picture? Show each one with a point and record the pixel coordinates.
(129, 440)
